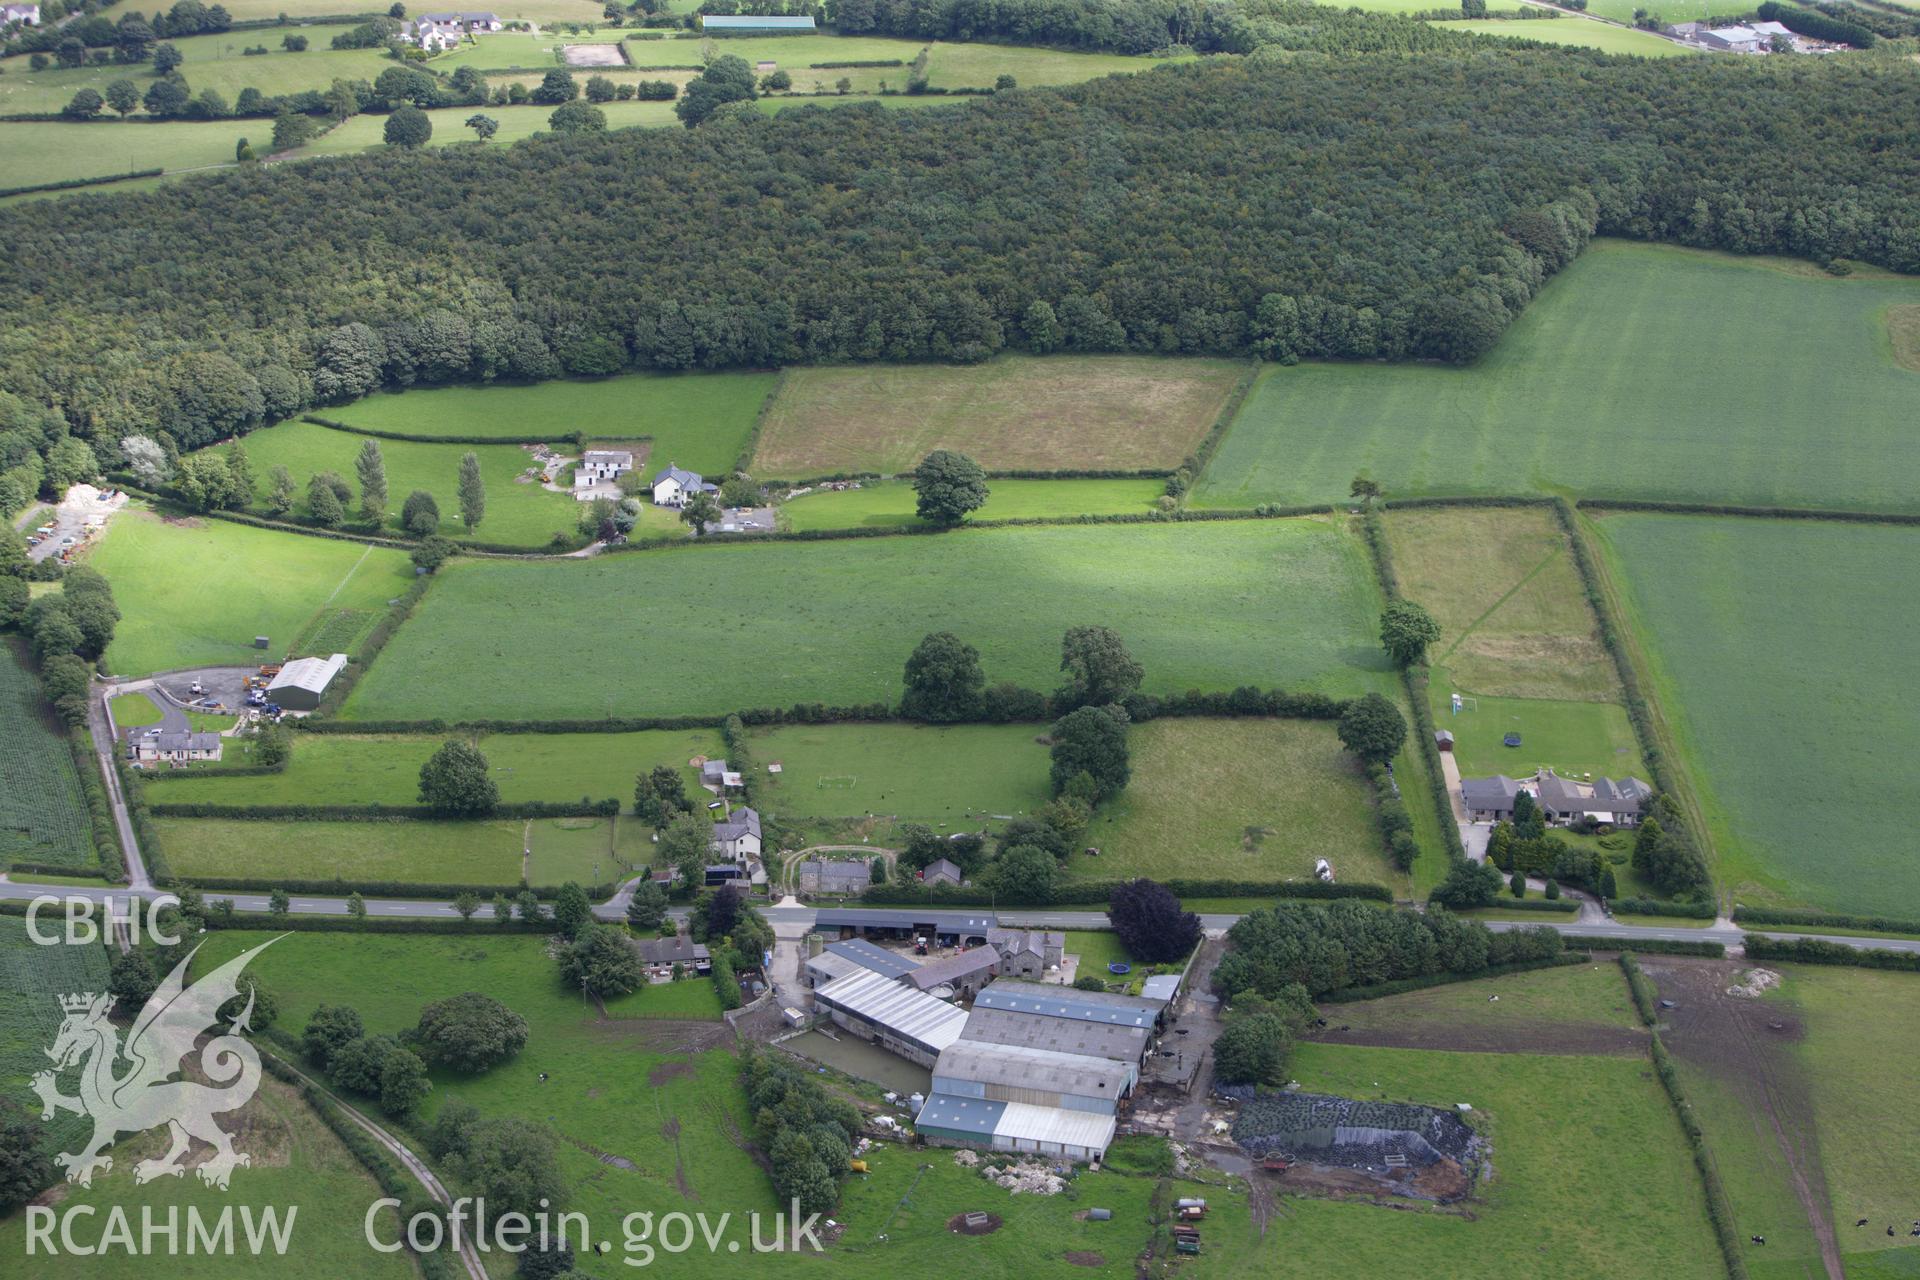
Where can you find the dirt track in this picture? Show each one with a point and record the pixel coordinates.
(1513, 1037)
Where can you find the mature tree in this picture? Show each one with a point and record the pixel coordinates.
(1024, 874)
(331, 1028)
(466, 902)
(420, 514)
(323, 504)
(1517, 884)
(484, 127)
(943, 680)
(647, 907)
(700, 511)
(372, 470)
(433, 552)
(1099, 668)
(403, 1082)
(1373, 728)
(1364, 489)
(1529, 821)
(1253, 1049)
(123, 96)
(1093, 741)
(473, 492)
(294, 43)
(167, 97)
(25, 1169)
(526, 905)
(469, 1032)
(356, 905)
(659, 794)
(454, 782)
(292, 130)
(685, 846)
(571, 909)
(502, 909)
(513, 1163)
(264, 1011)
(600, 89)
(131, 980)
(279, 904)
(726, 79)
(166, 58)
(1468, 885)
(1150, 922)
(601, 962)
(739, 491)
(947, 486)
(545, 1260)
(86, 104)
(577, 117)
(407, 127)
(356, 1064)
(556, 87)
(1406, 629)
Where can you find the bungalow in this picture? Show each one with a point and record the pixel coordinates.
(27, 15)
(1561, 800)
(673, 486)
(161, 746)
(474, 22)
(602, 466)
(1027, 953)
(664, 953)
(941, 871)
(739, 836)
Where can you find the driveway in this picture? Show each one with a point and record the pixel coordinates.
(81, 515)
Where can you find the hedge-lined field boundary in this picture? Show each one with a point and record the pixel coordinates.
(1560, 906)
(259, 920)
(377, 812)
(1820, 951)
(1664, 946)
(379, 888)
(1805, 917)
(367, 650)
(1658, 907)
(71, 184)
(1839, 515)
(574, 438)
(1092, 892)
(1350, 995)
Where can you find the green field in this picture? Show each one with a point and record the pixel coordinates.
(196, 592)
(700, 420)
(1016, 413)
(212, 62)
(952, 776)
(1563, 1128)
(1572, 1001)
(1670, 11)
(1780, 656)
(1581, 32)
(336, 769)
(1623, 378)
(367, 132)
(518, 514)
(56, 151)
(540, 11)
(1570, 738)
(492, 852)
(1244, 799)
(1201, 606)
(35, 977)
(43, 813)
(890, 504)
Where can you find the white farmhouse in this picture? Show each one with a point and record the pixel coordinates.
(673, 486)
(602, 466)
(27, 15)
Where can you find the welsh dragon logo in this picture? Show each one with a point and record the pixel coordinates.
(144, 1096)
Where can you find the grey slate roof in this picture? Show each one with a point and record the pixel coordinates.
(1495, 793)
(1052, 1001)
(902, 918)
(877, 959)
(941, 869)
(1062, 1035)
(679, 949)
(741, 822)
(165, 741)
(1019, 1067)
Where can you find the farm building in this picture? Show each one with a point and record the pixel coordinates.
(1561, 800)
(747, 24)
(963, 973)
(1062, 1035)
(946, 928)
(1162, 988)
(739, 836)
(301, 683)
(1015, 1126)
(941, 871)
(875, 1007)
(715, 774)
(825, 875)
(861, 954)
(664, 953)
(1071, 1004)
(1027, 953)
(673, 485)
(474, 22)
(159, 746)
(602, 466)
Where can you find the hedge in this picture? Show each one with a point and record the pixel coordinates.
(379, 813)
(847, 66)
(726, 984)
(72, 183)
(1565, 906)
(1349, 995)
(1100, 892)
(369, 649)
(1661, 907)
(134, 791)
(744, 458)
(1664, 946)
(379, 888)
(334, 424)
(234, 771)
(1822, 919)
(1640, 989)
(1764, 513)
(1820, 951)
(258, 920)
(106, 833)
(1204, 451)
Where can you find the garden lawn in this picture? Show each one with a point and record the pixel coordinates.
(196, 592)
(1216, 605)
(951, 776)
(1244, 799)
(1780, 657)
(1015, 413)
(556, 767)
(400, 851)
(891, 504)
(647, 1123)
(518, 514)
(212, 62)
(1570, 738)
(1582, 32)
(134, 711)
(1623, 378)
(58, 151)
(43, 812)
(700, 420)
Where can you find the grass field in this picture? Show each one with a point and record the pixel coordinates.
(35, 977)
(1672, 11)
(367, 132)
(1201, 606)
(336, 769)
(1581, 32)
(1016, 413)
(540, 11)
(55, 151)
(1562, 1128)
(699, 420)
(519, 514)
(1780, 657)
(196, 592)
(212, 62)
(134, 710)
(43, 813)
(952, 776)
(890, 504)
(402, 851)
(1549, 1005)
(1238, 799)
(1623, 378)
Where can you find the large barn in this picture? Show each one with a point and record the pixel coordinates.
(302, 682)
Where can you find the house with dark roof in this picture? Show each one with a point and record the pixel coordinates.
(739, 836)
(963, 973)
(163, 746)
(942, 871)
(714, 774)
(664, 953)
(673, 486)
(1562, 800)
(1027, 953)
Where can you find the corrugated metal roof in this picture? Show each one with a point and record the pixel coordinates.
(1026, 1122)
(908, 1014)
(742, 22)
(1062, 1035)
(1022, 1067)
(1067, 1002)
(961, 964)
(311, 674)
(902, 918)
(879, 959)
(1162, 987)
(976, 1116)
(833, 966)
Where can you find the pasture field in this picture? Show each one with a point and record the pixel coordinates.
(1779, 657)
(947, 776)
(1244, 799)
(337, 769)
(1674, 11)
(540, 11)
(484, 852)
(519, 514)
(1578, 1008)
(664, 1097)
(1014, 413)
(196, 592)
(35, 978)
(1268, 602)
(367, 133)
(890, 504)
(1554, 1142)
(1581, 32)
(57, 151)
(1425, 6)
(1621, 379)
(43, 812)
(212, 62)
(699, 420)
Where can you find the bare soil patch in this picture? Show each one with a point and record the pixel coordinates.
(985, 1224)
(594, 55)
(1081, 1258)
(667, 1035)
(664, 1071)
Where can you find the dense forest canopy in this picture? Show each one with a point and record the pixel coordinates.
(1361, 205)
